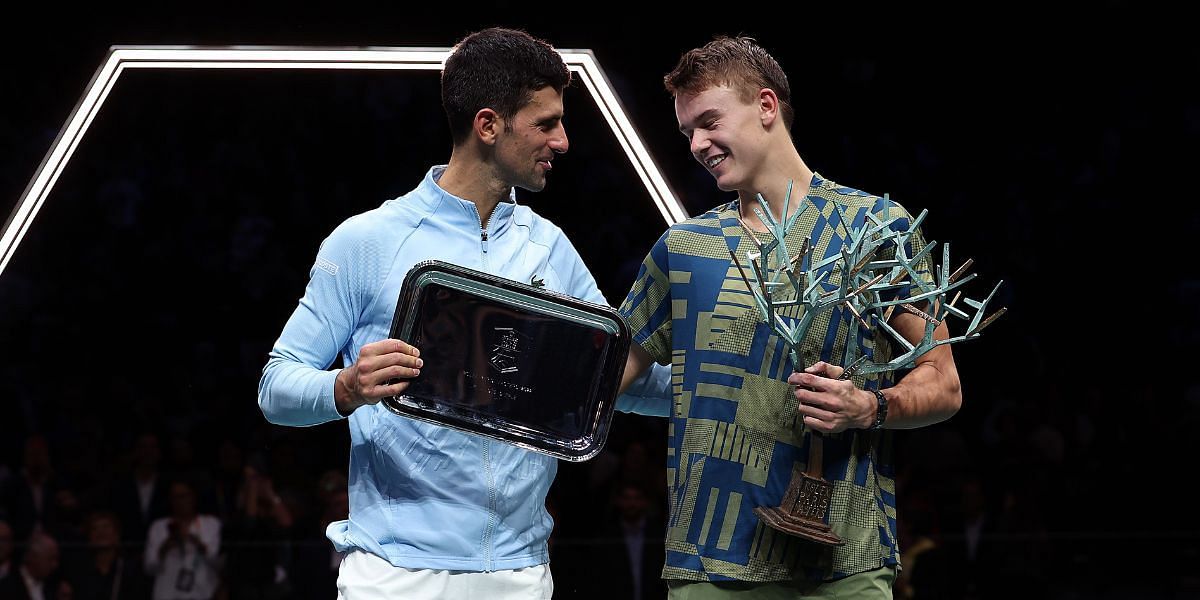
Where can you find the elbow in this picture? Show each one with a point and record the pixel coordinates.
(268, 408)
(264, 405)
(943, 397)
(953, 396)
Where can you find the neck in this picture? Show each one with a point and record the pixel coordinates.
(474, 180)
(772, 184)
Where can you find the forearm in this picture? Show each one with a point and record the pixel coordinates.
(296, 394)
(928, 394)
(297, 388)
(636, 364)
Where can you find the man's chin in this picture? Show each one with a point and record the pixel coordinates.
(533, 186)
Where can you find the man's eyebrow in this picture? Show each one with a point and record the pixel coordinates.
(700, 119)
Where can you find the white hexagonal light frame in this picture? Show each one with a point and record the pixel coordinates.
(582, 62)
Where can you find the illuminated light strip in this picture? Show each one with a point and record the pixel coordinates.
(120, 58)
(597, 83)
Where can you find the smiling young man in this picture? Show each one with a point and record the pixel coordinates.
(436, 513)
(735, 436)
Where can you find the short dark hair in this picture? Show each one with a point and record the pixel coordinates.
(500, 69)
(738, 62)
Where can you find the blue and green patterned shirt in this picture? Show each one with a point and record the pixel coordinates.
(734, 432)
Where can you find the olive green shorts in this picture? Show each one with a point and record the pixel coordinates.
(871, 584)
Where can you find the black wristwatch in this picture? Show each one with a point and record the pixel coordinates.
(880, 410)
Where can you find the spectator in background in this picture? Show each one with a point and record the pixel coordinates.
(182, 549)
(315, 568)
(256, 539)
(140, 497)
(37, 577)
(104, 572)
(629, 548)
(36, 498)
(184, 463)
(227, 482)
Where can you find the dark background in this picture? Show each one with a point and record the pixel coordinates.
(1048, 147)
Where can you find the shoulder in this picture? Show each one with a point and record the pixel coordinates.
(705, 224)
(883, 207)
(373, 228)
(397, 213)
(540, 229)
(708, 220)
(543, 232)
(363, 224)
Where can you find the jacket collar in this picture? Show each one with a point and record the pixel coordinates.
(464, 209)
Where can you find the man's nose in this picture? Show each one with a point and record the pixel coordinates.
(699, 143)
(559, 142)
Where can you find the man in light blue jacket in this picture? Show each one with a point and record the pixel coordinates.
(436, 513)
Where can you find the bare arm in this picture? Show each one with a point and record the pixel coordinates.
(931, 392)
(635, 364)
(928, 394)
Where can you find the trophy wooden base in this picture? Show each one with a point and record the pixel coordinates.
(803, 510)
(815, 531)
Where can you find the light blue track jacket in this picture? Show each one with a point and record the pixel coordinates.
(424, 496)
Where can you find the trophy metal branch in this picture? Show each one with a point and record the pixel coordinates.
(864, 288)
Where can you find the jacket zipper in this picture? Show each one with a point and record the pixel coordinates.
(483, 241)
(489, 532)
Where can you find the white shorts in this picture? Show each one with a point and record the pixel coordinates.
(364, 576)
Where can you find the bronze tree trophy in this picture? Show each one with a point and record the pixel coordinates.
(778, 280)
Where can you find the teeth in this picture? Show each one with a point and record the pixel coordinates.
(714, 161)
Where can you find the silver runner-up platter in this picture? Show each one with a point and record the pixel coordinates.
(510, 361)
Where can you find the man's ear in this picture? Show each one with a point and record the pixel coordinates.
(487, 125)
(768, 106)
